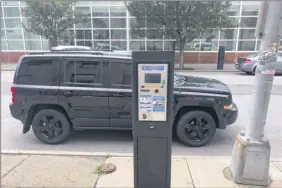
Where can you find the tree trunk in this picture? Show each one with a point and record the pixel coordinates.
(52, 43)
(181, 51)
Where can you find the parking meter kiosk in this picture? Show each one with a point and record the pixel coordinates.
(153, 74)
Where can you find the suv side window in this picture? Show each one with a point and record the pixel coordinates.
(38, 72)
(83, 72)
(120, 73)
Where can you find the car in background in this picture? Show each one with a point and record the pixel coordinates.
(249, 63)
(204, 46)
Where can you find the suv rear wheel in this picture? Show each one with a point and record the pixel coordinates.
(51, 126)
(196, 128)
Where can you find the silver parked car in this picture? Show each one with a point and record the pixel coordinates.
(249, 63)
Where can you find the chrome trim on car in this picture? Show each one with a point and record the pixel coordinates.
(110, 90)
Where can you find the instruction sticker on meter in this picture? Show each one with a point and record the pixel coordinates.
(152, 89)
(145, 103)
(159, 104)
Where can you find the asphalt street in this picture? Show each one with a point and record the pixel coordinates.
(121, 141)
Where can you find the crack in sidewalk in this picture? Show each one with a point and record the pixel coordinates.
(19, 163)
(190, 174)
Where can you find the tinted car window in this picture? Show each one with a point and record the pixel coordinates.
(37, 72)
(83, 72)
(120, 73)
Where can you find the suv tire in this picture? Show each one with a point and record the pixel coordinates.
(196, 128)
(51, 126)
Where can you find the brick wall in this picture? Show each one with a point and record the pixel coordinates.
(189, 57)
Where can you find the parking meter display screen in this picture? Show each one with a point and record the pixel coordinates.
(152, 78)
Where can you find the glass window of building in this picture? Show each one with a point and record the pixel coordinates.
(14, 34)
(246, 45)
(100, 11)
(83, 10)
(33, 44)
(11, 12)
(28, 35)
(2, 24)
(230, 34)
(229, 45)
(117, 11)
(45, 45)
(250, 8)
(154, 33)
(10, 3)
(83, 34)
(247, 34)
(100, 34)
(137, 33)
(133, 22)
(13, 23)
(100, 22)
(154, 45)
(234, 10)
(85, 23)
(100, 2)
(84, 43)
(168, 45)
(118, 45)
(82, 3)
(248, 22)
(118, 22)
(137, 45)
(118, 34)
(15, 44)
(3, 44)
(102, 45)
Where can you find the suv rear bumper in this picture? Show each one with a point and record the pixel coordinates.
(15, 111)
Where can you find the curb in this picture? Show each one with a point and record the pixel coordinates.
(99, 154)
(110, 154)
(222, 71)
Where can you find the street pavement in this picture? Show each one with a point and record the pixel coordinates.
(86, 171)
(121, 141)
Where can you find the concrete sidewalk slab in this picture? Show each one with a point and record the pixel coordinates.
(8, 162)
(278, 165)
(123, 176)
(209, 173)
(54, 171)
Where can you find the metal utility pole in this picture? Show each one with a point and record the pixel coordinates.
(251, 152)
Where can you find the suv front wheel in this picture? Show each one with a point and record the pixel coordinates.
(51, 126)
(196, 128)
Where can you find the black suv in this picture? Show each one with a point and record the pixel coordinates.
(58, 92)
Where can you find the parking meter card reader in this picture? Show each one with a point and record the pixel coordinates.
(152, 92)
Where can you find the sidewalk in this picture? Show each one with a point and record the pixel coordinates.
(25, 170)
(187, 67)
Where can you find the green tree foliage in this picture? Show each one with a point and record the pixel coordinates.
(182, 21)
(51, 19)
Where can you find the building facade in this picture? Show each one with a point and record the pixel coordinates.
(110, 23)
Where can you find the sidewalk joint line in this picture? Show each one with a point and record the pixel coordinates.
(276, 166)
(190, 173)
(19, 163)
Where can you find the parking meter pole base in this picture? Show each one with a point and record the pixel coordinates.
(153, 74)
(250, 162)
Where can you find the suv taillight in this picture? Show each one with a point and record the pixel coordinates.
(13, 94)
(246, 60)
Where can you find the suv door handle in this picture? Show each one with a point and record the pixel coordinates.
(69, 93)
(118, 94)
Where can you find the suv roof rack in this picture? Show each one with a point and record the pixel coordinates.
(67, 52)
